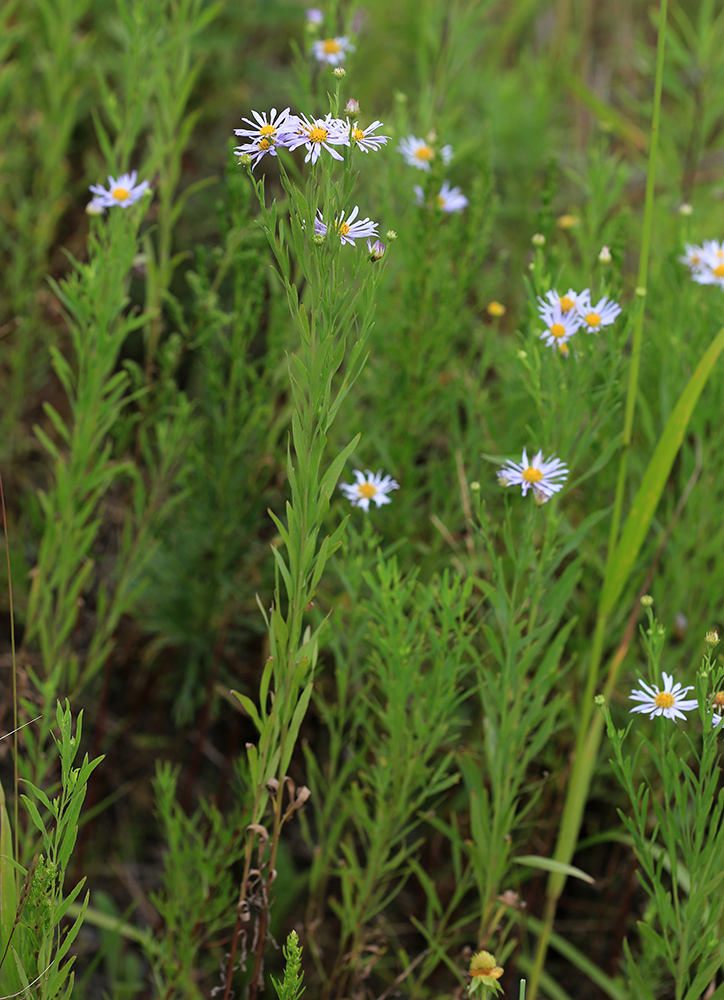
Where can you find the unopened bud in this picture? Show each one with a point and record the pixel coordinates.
(538, 239)
(339, 72)
(351, 107)
(647, 600)
(605, 255)
(376, 250)
(685, 209)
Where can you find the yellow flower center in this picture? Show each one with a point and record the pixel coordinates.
(719, 699)
(532, 475)
(564, 349)
(264, 144)
(720, 254)
(567, 221)
(317, 134)
(267, 130)
(425, 153)
(496, 309)
(357, 134)
(695, 258)
(719, 271)
(367, 490)
(343, 229)
(664, 700)
(558, 330)
(120, 194)
(567, 303)
(593, 319)
(331, 46)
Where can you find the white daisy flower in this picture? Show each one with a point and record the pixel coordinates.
(265, 134)
(447, 200)
(317, 134)
(124, 191)
(349, 230)
(332, 50)
(364, 137)
(594, 318)
(369, 486)
(566, 302)
(539, 474)
(560, 326)
(420, 154)
(710, 267)
(692, 255)
(670, 702)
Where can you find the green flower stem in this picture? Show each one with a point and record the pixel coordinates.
(589, 734)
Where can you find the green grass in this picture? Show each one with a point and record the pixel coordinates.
(375, 729)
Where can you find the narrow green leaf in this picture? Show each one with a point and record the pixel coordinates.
(551, 865)
(652, 485)
(249, 707)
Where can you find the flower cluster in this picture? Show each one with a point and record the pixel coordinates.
(420, 153)
(544, 477)
(565, 315)
(284, 130)
(706, 263)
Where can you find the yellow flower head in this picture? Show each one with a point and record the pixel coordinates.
(496, 309)
(567, 221)
(484, 971)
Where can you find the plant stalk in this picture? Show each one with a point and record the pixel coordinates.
(589, 734)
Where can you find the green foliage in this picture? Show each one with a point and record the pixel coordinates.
(290, 988)
(377, 726)
(35, 944)
(677, 830)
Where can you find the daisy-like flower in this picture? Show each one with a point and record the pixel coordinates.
(566, 303)
(265, 133)
(349, 230)
(669, 702)
(692, 255)
(542, 476)
(365, 138)
(317, 134)
(709, 269)
(594, 318)
(124, 191)
(447, 200)
(332, 50)
(420, 154)
(369, 486)
(560, 326)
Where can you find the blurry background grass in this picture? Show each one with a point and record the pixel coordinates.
(547, 106)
